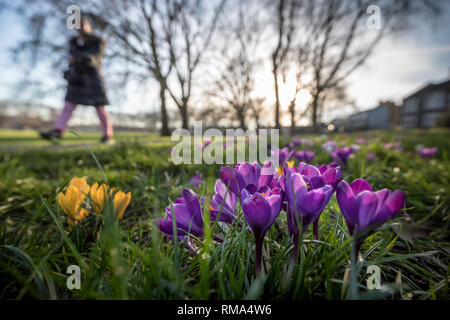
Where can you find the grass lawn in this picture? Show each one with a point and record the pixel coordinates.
(12, 140)
(131, 259)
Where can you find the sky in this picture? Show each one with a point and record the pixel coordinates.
(400, 65)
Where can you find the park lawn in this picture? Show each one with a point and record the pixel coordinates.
(131, 260)
(13, 140)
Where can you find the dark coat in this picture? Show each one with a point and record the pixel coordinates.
(85, 82)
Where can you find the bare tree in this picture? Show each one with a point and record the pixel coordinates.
(286, 22)
(257, 108)
(339, 41)
(189, 27)
(234, 85)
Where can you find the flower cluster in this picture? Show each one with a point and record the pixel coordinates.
(302, 192)
(80, 199)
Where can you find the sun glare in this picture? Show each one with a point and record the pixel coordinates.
(287, 91)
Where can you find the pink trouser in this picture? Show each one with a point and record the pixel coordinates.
(63, 118)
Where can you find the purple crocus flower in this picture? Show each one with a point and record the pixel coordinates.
(247, 175)
(307, 198)
(260, 211)
(371, 156)
(319, 177)
(341, 155)
(223, 204)
(296, 142)
(188, 218)
(329, 146)
(306, 155)
(196, 181)
(331, 174)
(427, 152)
(283, 156)
(364, 210)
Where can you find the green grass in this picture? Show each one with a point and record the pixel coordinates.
(130, 260)
(13, 140)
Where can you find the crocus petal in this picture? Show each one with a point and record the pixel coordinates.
(266, 176)
(298, 184)
(121, 201)
(317, 182)
(308, 170)
(322, 169)
(257, 212)
(347, 203)
(223, 203)
(232, 179)
(250, 176)
(367, 202)
(360, 185)
(166, 227)
(184, 219)
(193, 205)
(222, 191)
(275, 207)
(391, 206)
(295, 187)
(329, 175)
(311, 201)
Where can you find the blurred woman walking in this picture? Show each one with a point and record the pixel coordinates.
(85, 82)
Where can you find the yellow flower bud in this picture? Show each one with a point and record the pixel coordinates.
(121, 201)
(70, 201)
(82, 185)
(98, 195)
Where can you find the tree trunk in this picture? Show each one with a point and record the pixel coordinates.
(241, 117)
(277, 98)
(184, 116)
(292, 112)
(165, 131)
(315, 106)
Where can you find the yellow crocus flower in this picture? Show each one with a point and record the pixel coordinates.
(98, 196)
(121, 202)
(82, 185)
(70, 201)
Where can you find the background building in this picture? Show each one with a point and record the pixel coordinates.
(384, 116)
(424, 107)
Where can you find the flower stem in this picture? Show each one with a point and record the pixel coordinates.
(316, 229)
(295, 248)
(259, 243)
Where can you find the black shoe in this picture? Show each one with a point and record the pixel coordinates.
(49, 135)
(107, 140)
